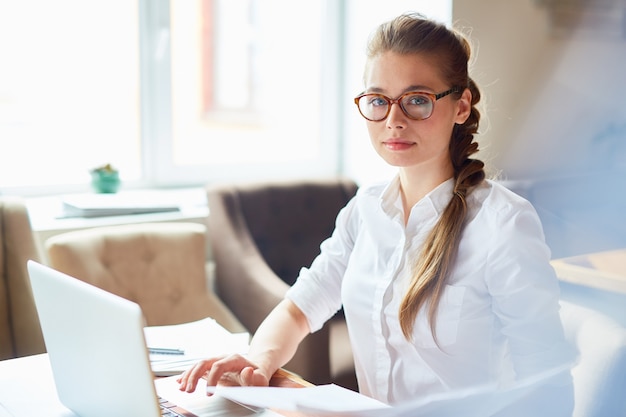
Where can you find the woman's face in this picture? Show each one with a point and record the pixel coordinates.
(399, 140)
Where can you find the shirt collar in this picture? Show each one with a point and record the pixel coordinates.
(441, 195)
(437, 199)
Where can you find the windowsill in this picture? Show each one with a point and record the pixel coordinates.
(47, 215)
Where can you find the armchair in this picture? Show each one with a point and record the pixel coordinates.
(261, 234)
(160, 266)
(20, 332)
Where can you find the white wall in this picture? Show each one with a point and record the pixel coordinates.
(555, 102)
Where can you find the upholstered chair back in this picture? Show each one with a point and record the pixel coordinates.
(160, 266)
(288, 221)
(20, 333)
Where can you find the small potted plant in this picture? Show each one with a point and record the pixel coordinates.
(105, 179)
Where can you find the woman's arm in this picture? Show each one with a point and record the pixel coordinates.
(525, 294)
(278, 337)
(274, 344)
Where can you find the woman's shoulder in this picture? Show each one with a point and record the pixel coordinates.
(505, 218)
(496, 199)
(497, 195)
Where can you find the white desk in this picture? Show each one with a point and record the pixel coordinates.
(27, 389)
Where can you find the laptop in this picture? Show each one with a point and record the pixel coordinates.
(98, 354)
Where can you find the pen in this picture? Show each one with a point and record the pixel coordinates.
(166, 351)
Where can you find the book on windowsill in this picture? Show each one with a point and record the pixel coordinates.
(101, 205)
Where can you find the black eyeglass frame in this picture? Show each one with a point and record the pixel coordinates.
(433, 98)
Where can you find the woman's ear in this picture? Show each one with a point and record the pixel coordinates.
(464, 107)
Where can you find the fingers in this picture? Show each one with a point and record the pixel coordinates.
(229, 370)
(233, 364)
(189, 379)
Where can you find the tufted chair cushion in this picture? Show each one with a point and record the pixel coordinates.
(20, 333)
(261, 235)
(160, 266)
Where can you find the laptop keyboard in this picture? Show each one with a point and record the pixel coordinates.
(168, 409)
(217, 407)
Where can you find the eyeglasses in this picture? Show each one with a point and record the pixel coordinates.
(416, 105)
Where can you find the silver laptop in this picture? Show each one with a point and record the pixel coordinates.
(98, 354)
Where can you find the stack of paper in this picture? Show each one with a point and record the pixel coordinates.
(189, 343)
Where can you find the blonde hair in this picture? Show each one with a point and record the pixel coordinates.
(414, 34)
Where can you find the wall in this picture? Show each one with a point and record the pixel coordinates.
(556, 119)
(554, 100)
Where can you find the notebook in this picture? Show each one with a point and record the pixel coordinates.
(98, 355)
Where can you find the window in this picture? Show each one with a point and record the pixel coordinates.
(171, 93)
(69, 90)
(247, 93)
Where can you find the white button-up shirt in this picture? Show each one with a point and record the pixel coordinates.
(498, 316)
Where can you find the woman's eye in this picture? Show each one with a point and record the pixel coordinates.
(378, 101)
(417, 100)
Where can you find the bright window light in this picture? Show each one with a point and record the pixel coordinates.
(69, 90)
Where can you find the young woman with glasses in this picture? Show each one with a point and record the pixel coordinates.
(443, 275)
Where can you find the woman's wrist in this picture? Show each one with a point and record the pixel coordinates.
(263, 364)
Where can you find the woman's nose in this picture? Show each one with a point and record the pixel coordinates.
(396, 117)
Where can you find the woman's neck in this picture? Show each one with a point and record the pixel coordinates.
(415, 185)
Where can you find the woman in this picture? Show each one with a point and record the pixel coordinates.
(443, 275)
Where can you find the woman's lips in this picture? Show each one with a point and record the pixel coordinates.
(398, 144)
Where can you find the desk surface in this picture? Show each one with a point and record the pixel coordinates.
(602, 270)
(27, 388)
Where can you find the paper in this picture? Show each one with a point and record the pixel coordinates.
(324, 398)
(198, 339)
(200, 404)
(331, 400)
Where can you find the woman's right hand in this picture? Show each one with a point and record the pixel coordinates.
(273, 345)
(232, 370)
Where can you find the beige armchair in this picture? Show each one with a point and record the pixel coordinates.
(20, 333)
(261, 234)
(160, 266)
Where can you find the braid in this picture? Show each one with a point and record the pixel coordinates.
(413, 34)
(468, 172)
(431, 269)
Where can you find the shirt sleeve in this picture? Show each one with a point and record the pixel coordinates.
(317, 291)
(525, 292)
